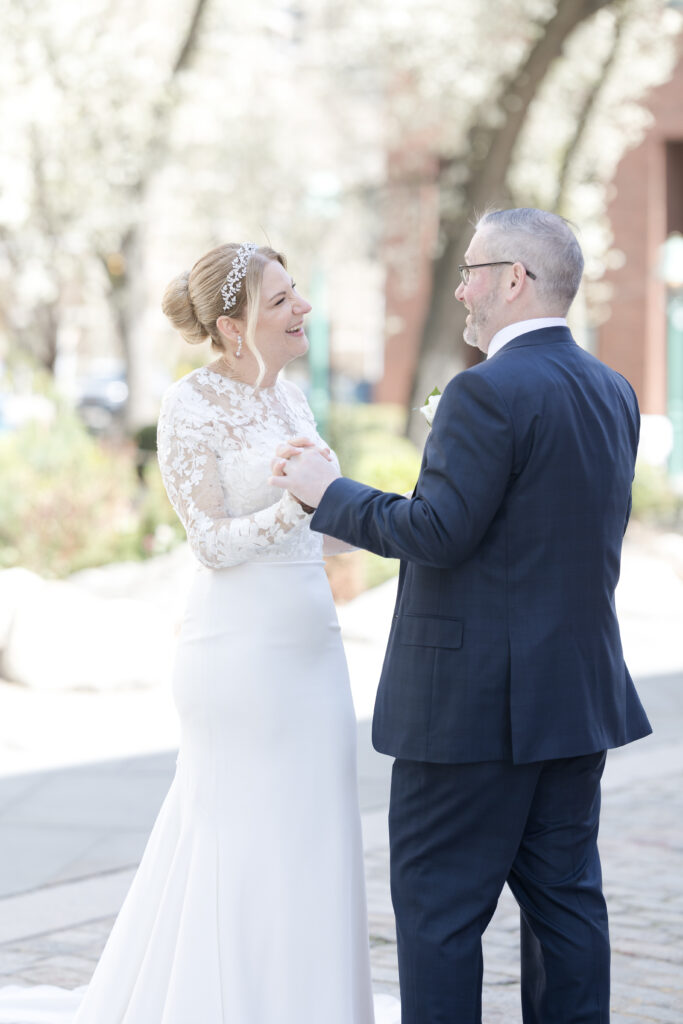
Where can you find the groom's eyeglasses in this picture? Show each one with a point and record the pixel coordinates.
(465, 269)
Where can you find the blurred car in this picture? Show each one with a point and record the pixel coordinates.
(101, 402)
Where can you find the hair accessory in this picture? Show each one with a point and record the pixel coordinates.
(238, 353)
(236, 274)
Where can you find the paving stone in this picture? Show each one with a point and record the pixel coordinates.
(647, 985)
(641, 844)
(51, 972)
(14, 960)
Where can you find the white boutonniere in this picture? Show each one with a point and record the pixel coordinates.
(429, 407)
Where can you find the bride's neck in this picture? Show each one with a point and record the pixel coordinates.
(246, 372)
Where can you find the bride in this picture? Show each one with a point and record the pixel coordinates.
(249, 903)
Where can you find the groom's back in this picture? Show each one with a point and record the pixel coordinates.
(538, 670)
(576, 433)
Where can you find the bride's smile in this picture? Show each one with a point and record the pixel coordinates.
(280, 334)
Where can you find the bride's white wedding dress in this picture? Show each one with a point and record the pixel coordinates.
(249, 903)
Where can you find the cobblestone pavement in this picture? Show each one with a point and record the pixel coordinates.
(642, 853)
(641, 843)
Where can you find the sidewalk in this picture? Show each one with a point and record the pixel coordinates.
(72, 834)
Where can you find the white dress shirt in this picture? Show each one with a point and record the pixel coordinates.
(522, 327)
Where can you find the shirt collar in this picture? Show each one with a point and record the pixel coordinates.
(522, 327)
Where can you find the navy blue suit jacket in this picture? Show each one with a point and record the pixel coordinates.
(505, 642)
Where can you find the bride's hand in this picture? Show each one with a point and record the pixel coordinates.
(295, 444)
(294, 447)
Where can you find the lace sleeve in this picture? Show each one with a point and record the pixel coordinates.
(190, 474)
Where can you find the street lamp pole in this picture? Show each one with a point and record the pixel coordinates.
(675, 382)
(673, 275)
(319, 353)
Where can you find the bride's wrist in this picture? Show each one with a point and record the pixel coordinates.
(296, 507)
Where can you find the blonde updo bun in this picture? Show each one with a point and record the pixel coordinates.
(178, 307)
(193, 302)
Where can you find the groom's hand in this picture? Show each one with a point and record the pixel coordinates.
(295, 444)
(305, 471)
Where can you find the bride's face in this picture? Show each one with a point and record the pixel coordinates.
(280, 334)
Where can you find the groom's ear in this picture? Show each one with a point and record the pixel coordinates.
(514, 285)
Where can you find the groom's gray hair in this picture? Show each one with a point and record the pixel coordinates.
(544, 242)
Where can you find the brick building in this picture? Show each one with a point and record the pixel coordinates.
(646, 208)
(411, 225)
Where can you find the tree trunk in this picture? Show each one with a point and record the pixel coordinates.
(46, 314)
(126, 295)
(443, 353)
(589, 103)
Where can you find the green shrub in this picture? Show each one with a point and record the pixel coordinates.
(372, 448)
(68, 502)
(159, 528)
(65, 501)
(654, 499)
(146, 437)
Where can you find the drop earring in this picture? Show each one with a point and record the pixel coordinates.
(238, 351)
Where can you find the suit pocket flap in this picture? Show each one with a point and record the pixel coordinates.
(427, 631)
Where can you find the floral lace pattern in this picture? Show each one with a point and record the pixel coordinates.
(216, 440)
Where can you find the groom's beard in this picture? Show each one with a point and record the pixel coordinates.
(477, 328)
(470, 336)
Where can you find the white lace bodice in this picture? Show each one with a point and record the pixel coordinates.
(216, 440)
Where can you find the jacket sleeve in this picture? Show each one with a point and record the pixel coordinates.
(466, 469)
(633, 410)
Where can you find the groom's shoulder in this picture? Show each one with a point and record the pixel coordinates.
(525, 373)
(499, 381)
(482, 377)
(476, 390)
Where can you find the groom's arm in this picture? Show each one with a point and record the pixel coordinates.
(466, 469)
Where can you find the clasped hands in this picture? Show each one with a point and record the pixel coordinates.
(303, 469)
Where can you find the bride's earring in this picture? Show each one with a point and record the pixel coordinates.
(238, 351)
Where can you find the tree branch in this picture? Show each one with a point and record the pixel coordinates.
(190, 40)
(491, 148)
(587, 108)
(517, 94)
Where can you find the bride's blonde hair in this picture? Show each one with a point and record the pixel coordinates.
(193, 301)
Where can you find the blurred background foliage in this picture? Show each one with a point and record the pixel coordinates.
(371, 447)
(655, 501)
(69, 501)
(137, 134)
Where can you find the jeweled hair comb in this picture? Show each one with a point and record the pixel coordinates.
(236, 274)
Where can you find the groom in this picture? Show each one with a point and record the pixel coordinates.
(504, 682)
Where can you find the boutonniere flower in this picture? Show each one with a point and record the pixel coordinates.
(429, 407)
